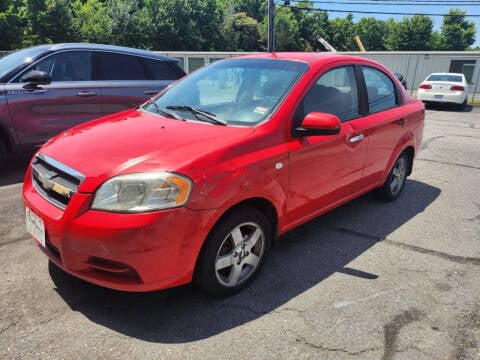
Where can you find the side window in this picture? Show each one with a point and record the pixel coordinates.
(65, 66)
(121, 67)
(335, 92)
(162, 70)
(380, 90)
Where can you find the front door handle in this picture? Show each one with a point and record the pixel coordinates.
(357, 138)
(87, 94)
(402, 122)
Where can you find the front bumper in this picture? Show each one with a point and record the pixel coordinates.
(131, 252)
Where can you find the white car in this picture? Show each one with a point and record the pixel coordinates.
(449, 88)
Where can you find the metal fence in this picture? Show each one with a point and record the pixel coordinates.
(414, 66)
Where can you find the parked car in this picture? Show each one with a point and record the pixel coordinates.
(47, 89)
(402, 79)
(197, 183)
(449, 88)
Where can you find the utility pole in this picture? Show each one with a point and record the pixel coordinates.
(271, 18)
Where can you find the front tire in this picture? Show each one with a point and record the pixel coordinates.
(234, 252)
(396, 179)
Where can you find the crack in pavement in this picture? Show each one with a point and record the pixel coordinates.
(6, 242)
(426, 143)
(12, 324)
(449, 163)
(446, 256)
(302, 340)
(421, 250)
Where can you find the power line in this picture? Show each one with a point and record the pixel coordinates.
(375, 12)
(400, 2)
(382, 2)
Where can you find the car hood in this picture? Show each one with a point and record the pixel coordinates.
(136, 141)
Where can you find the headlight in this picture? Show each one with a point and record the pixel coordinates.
(142, 192)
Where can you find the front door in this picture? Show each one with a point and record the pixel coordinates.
(325, 169)
(72, 97)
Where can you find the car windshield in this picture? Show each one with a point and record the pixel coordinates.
(16, 59)
(234, 92)
(451, 78)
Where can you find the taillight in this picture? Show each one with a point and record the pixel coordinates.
(425, 86)
(457, 88)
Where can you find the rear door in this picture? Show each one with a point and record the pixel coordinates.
(128, 80)
(72, 97)
(385, 122)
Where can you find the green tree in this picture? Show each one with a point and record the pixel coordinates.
(411, 34)
(48, 21)
(318, 26)
(457, 34)
(124, 27)
(240, 32)
(91, 21)
(286, 30)
(372, 33)
(11, 25)
(341, 33)
(183, 24)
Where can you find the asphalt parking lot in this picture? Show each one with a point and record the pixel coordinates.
(369, 280)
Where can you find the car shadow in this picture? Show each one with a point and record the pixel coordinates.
(303, 258)
(448, 107)
(13, 169)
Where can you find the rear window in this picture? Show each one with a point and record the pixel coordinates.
(162, 70)
(451, 78)
(129, 67)
(121, 67)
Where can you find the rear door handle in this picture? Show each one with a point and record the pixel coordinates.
(87, 94)
(402, 122)
(357, 138)
(151, 92)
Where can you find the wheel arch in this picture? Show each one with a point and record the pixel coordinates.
(261, 204)
(5, 139)
(410, 152)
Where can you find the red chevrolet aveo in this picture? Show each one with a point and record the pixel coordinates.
(196, 184)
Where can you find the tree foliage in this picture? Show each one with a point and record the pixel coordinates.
(412, 33)
(456, 32)
(221, 25)
(372, 32)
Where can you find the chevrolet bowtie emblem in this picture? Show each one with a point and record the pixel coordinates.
(49, 184)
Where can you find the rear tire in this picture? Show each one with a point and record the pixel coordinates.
(462, 106)
(396, 179)
(234, 252)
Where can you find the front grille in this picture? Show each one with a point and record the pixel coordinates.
(56, 182)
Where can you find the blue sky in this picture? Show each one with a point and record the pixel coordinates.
(471, 7)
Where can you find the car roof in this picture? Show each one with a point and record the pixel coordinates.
(309, 57)
(446, 73)
(315, 59)
(103, 47)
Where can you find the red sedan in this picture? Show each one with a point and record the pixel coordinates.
(198, 183)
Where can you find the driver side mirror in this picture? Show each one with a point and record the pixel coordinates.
(35, 78)
(317, 123)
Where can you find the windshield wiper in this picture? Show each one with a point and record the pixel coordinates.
(211, 117)
(164, 112)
